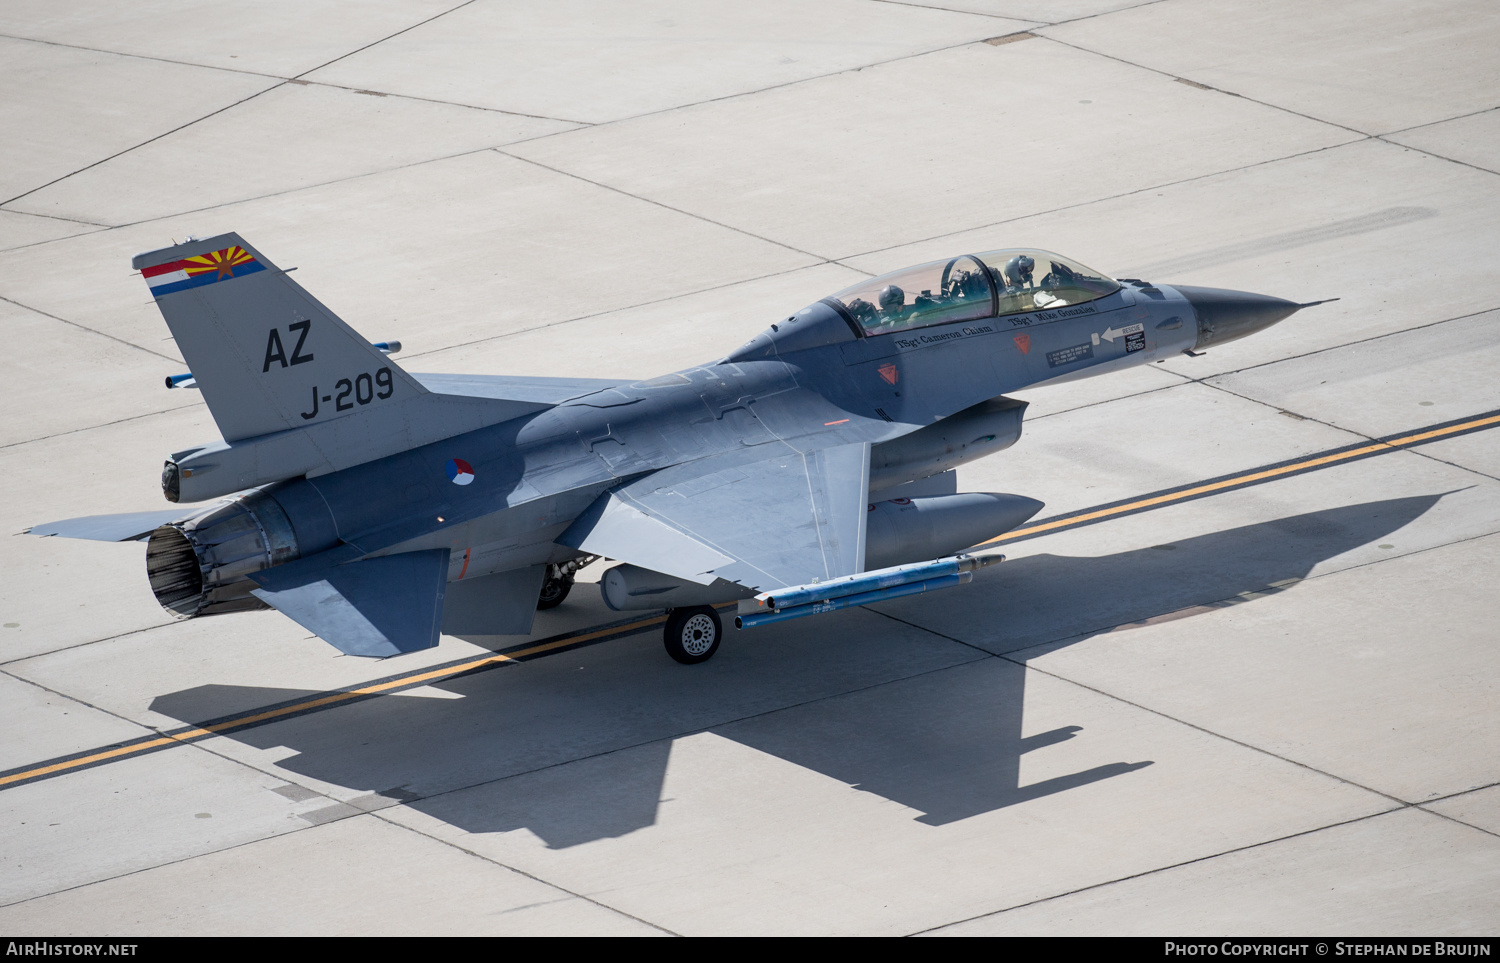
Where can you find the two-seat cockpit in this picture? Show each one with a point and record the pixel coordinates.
(969, 288)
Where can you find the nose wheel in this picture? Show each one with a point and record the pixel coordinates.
(692, 634)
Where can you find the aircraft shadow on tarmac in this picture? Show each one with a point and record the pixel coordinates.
(575, 747)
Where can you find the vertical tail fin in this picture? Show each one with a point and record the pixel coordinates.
(266, 354)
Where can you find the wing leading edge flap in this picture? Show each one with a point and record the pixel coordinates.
(761, 518)
(375, 607)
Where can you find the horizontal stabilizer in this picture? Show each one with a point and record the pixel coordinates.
(377, 607)
(129, 527)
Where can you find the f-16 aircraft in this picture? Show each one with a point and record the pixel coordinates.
(808, 470)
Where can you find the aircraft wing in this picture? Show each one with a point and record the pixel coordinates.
(548, 391)
(762, 517)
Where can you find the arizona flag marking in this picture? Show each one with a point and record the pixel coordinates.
(460, 472)
(200, 269)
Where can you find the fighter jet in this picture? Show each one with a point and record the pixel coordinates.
(808, 470)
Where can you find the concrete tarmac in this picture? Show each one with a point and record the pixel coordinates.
(1267, 706)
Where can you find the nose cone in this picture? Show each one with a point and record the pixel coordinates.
(1225, 316)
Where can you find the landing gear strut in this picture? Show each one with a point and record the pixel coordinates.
(692, 634)
(559, 581)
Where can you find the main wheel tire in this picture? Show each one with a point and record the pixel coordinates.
(554, 590)
(692, 634)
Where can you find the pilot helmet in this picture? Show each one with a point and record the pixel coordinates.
(1018, 269)
(891, 298)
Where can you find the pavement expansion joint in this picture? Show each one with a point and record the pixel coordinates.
(1100, 200)
(1162, 869)
(451, 103)
(103, 424)
(1335, 347)
(664, 206)
(627, 307)
(84, 327)
(149, 140)
(1455, 819)
(375, 43)
(1432, 153)
(529, 875)
(1170, 76)
(54, 217)
(1296, 466)
(136, 56)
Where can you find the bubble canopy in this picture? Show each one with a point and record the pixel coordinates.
(970, 287)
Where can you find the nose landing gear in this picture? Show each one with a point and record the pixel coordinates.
(692, 634)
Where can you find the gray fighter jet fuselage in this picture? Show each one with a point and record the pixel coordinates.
(377, 508)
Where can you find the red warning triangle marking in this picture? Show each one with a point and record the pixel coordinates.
(1023, 341)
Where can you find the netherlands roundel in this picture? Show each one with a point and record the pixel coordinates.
(460, 472)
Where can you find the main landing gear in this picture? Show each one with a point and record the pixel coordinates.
(692, 634)
(559, 581)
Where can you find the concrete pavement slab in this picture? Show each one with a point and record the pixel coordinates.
(354, 877)
(19, 230)
(1172, 558)
(1396, 383)
(76, 378)
(809, 821)
(642, 342)
(1194, 558)
(1382, 68)
(82, 106)
(291, 137)
(1470, 140)
(1145, 443)
(282, 37)
(135, 814)
(1480, 808)
(63, 591)
(871, 159)
(433, 255)
(596, 61)
(1347, 223)
(1403, 874)
(39, 724)
(1379, 674)
(1390, 384)
(1187, 561)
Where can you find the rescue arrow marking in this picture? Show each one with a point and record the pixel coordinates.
(1111, 333)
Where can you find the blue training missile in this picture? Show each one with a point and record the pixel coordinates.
(879, 585)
